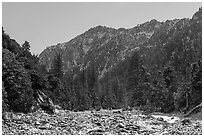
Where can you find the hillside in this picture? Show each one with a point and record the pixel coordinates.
(103, 46)
(142, 80)
(162, 53)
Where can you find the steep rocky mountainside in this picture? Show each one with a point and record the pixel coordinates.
(144, 80)
(104, 46)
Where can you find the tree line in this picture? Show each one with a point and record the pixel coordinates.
(164, 78)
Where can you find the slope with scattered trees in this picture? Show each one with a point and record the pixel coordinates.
(156, 66)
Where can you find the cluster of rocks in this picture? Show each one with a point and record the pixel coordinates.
(103, 122)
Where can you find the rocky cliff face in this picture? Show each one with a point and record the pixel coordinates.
(105, 47)
(102, 45)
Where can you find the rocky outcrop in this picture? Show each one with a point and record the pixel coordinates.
(103, 122)
(105, 47)
(43, 102)
(101, 46)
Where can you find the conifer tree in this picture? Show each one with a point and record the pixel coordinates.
(57, 66)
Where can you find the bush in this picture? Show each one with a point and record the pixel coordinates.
(17, 83)
(196, 84)
(4, 99)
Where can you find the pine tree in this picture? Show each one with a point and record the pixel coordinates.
(26, 46)
(57, 66)
(17, 83)
(196, 83)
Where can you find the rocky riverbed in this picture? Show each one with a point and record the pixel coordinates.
(103, 122)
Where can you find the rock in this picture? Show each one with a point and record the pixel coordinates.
(96, 129)
(98, 108)
(127, 109)
(185, 122)
(160, 119)
(124, 109)
(149, 117)
(98, 124)
(42, 127)
(56, 111)
(75, 110)
(136, 127)
(44, 102)
(96, 114)
(48, 109)
(37, 123)
(164, 133)
(58, 107)
(123, 130)
(44, 122)
(45, 127)
(167, 118)
(120, 125)
(5, 116)
(174, 120)
(109, 108)
(117, 111)
(132, 127)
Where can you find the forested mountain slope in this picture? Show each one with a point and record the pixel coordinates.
(131, 67)
(155, 66)
(141, 73)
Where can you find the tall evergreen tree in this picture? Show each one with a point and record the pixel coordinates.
(57, 66)
(26, 46)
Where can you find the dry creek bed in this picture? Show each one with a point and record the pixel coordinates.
(103, 122)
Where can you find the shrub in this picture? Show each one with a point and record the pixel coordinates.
(17, 83)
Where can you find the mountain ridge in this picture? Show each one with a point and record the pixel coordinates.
(106, 46)
(155, 66)
(90, 39)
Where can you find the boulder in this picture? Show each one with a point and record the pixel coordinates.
(37, 123)
(160, 119)
(98, 108)
(128, 108)
(75, 110)
(44, 102)
(185, 121)
(58, 107)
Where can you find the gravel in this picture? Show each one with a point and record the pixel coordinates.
(103, 122)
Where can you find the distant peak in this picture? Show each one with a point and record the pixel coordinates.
(198, 14)
(122, 29)
(99, 27)
(154, 21)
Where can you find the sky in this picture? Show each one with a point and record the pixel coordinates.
(46, 24)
